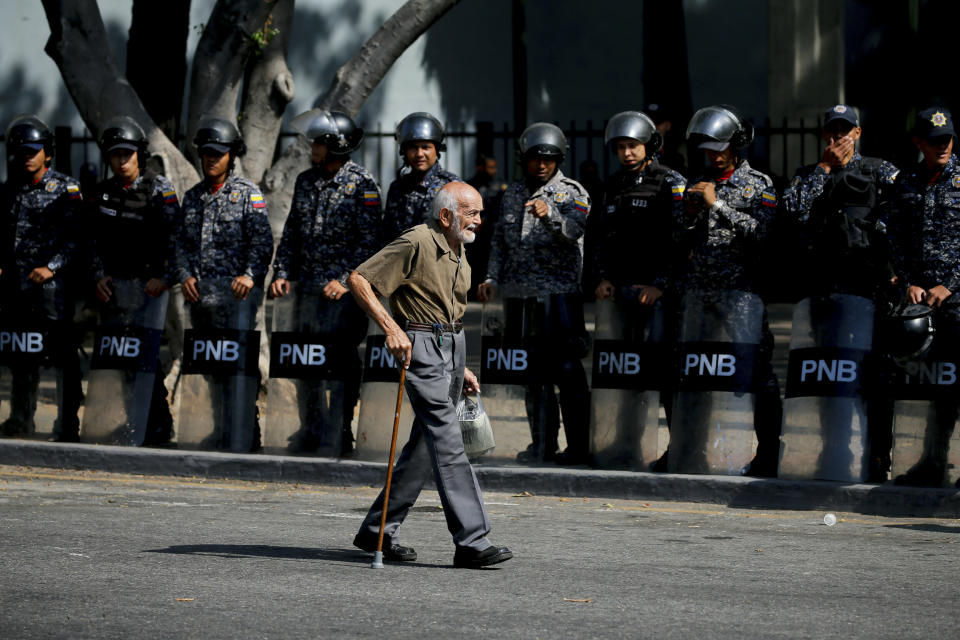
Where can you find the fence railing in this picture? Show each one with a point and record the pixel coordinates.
(778, 149)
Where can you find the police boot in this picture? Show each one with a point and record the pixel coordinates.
(543, 414)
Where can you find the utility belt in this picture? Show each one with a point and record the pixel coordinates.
(435, 328)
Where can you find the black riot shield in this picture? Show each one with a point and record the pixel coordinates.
(629, 368)
(35, 348)
(712, 430)
(123, 367)
(378, 400)
(926, 440)
(824, 416)
(314, 372)
(220, 370)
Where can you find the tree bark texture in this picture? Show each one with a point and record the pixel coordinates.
(78, 45)
(267, 91)
(220, 59)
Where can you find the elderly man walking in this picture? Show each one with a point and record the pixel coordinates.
(425, 273)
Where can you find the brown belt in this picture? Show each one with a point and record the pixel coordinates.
(436, 327)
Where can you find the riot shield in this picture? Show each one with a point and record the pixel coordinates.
(628, 368)
(218, 388)
(712, 429)
(28, 381)
(378, 400)
(926, 440)
(824, 416)
(123, 366)
(314, 372)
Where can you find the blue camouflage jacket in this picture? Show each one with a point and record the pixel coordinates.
(408, 200)
(333, 226)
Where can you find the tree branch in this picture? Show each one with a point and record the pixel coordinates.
(220, 60)
(78, 45)
(351, 86)
(267, 91)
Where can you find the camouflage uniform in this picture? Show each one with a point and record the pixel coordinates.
(924, 229)
(136, 230)
(724, 241)
(409, 198)
(722, 246)
(536, 265)
(532, 256)
(333, 226)
(225, 234)
(42, 229)
(846, 256)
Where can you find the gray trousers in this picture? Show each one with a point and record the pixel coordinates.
(434, 383)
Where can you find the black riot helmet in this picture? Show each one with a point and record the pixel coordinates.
(220, 135)
(545, 140)
(420, 126)
(908, 331)
(718, 127)
(123, 132)
(335, 129)
(30, 132)
(635, 126)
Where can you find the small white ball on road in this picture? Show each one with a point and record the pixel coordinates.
(829, 519)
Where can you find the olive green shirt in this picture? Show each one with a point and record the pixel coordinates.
(426, 281)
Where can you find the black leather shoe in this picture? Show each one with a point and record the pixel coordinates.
(390, 551)
(466, 558)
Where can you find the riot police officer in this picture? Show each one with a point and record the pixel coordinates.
(332, 227)
(135, 230)
(535, 264)
(727, 212)
(836, 206)
(420, 136)
(225, 244)
(642, 201)
(924, 231)
(39, 269)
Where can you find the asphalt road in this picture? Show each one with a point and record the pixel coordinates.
(93, 555)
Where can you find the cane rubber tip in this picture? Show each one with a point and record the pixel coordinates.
(377, 560)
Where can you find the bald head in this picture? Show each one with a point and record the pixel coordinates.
(456, 208)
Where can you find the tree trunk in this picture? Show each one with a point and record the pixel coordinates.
(267, 91)
(78, 45)
(351, 86)
(220, 59)
(157, 59)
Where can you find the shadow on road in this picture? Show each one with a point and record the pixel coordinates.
(933, 528)
(287, 553)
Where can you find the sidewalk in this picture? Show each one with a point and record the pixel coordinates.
(737, 492)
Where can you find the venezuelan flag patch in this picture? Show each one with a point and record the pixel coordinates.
(677, 192)
(170, 197)
(768, 199)
(371, 199)
(580, 205)
(74, 192)
(257, 201)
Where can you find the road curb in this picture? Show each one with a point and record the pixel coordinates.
(753, 493)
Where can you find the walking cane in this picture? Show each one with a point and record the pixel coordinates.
(378, 555)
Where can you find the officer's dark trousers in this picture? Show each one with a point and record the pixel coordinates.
(768, 410)
(46, 307)
(434, 383)
(555, 325)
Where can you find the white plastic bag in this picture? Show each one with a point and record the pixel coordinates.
(475, 426)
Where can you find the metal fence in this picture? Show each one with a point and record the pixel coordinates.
(778, 149)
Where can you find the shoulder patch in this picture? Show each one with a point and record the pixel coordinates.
(256, 200)
(677, 191)
(560, 196)
(235, 196)
(371, 198)
(955, 181)
(768, 199)
(581, 205)
(51, 186)
(350, 188)
(747, 192)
